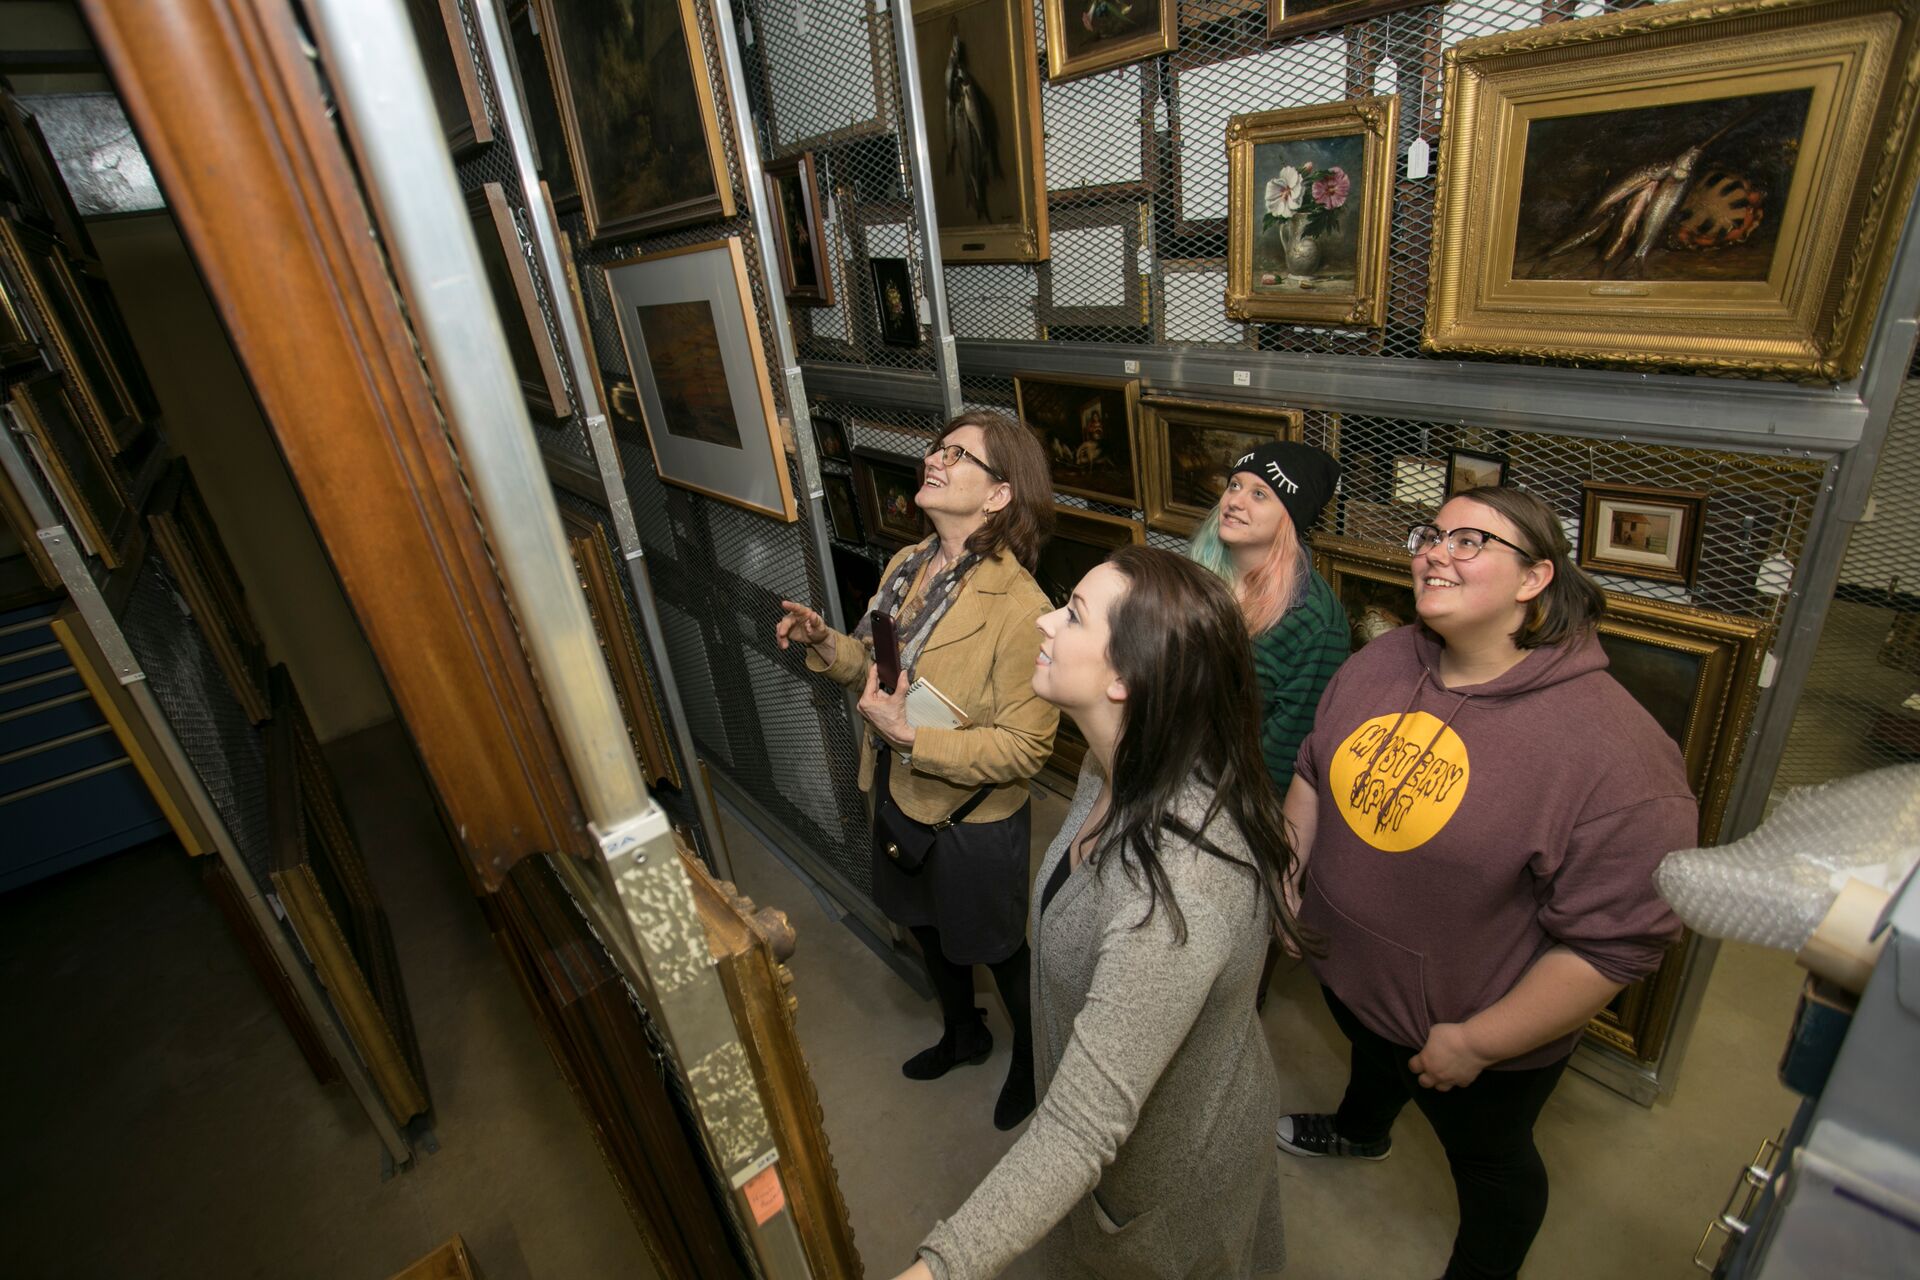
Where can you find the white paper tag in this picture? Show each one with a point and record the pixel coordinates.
(800, 23)
(925, 309)
(1419, 159)
(746, 30)
(1775, 576)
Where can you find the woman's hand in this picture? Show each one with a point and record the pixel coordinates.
(887, 712)
(918, 1271)
(802, 624)
(1449, 1060)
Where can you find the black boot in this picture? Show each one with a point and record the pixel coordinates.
(1016, 1095)
(969, 1042)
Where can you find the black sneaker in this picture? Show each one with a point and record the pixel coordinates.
(1312, 1134)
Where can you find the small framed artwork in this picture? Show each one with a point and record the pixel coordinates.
(893, 301)
(543, 111)
(1081, 539)
(1374, 584)
(1085, 36)
(91, 494)
(1469, 470)
(1087, 427)
(53, 297)
(1562, 231)
(1289, 18)
(1310, 199)
(843, 508)
(830, 438)
(510, 281)
(1642, 532)
(1187, 451)
(687, 322)
(980, 96)
(612, 64)
(884, 485)
(799, 232)
(1420, 483)
(452, 77)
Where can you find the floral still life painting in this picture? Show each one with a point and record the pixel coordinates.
(1307, 227)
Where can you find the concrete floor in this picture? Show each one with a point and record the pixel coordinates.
(159, 1122)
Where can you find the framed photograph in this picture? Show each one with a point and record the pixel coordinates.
(1469, 470)
(190, 543)
(89, 492)
(54, 297)
(980, 95)
(543, 110)
(600, 575)
(687, 321)
(830, 438)
(1646, 533)
(884, 485)
(1419, 484)
(613, 64)
(1289, 18)
(510, 281)
(1187, 451)
(799, 233)
(1087, 427)
(1310, 200)
(1715, 186)
(452, 76)
(858, 578)
(1085, 36)
(1093, 277)
(894, 303)
(843, 507)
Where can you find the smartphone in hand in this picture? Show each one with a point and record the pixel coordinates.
(886, 651)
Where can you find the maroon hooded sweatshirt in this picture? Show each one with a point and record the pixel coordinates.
(1464, 832)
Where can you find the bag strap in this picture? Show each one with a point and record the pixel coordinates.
(883, 780)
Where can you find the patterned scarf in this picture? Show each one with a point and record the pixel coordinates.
(940, 595)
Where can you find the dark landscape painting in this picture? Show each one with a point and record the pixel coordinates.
(796, 229)
(1664, 680)
(683, 348)
(1684, 192)
(1201, 459)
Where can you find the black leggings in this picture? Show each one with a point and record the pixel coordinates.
(1486, 1130)
(953, 984)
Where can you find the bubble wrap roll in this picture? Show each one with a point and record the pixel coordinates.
(1775, 886)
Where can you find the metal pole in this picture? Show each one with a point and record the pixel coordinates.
(913, 140)
(381, 88)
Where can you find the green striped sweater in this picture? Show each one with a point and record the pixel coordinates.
(1293, 660)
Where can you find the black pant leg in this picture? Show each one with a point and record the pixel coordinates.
(1011, 977)
(1378, 1083)
(952, 983)
(1486, 1130)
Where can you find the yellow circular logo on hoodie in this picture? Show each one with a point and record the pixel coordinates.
(1398, 781)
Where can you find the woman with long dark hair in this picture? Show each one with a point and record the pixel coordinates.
(1148, 1154)
(963, 603)
(1479, 811)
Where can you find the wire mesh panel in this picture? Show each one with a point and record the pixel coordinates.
(1860, 708)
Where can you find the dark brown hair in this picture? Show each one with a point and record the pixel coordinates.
(1025, 523)
(1178, 642)
(1571, 604)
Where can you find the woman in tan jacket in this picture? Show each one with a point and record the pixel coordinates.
(964, 604)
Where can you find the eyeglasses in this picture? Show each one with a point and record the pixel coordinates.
(1462, 544)
(950, 455)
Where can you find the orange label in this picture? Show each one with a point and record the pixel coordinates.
(764, 1194)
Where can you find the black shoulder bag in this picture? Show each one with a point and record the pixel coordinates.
(905, 841)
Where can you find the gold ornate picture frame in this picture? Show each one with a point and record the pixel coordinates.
(1187, 451)
(1084, 37)
(52, 294)
(1711, 185)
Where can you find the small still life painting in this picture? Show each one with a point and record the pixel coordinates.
(885, 484)
(1309, 215)
(1085, 36)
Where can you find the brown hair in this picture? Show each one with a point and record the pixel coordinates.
(1026, 521)
(1571, 604)
(1177, 641)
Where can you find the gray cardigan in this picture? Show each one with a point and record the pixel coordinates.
(1151, 1153)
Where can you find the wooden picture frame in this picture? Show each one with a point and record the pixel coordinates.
(1468, 469)
(90, 492)
(1187, 448)
(517, 299)
(1075, 49)
(60, 310)
(992, 202)
(885, 484)
(827, 82)
(1310, 207)
(843, 507)
(830, 438)
(452, 77)
(681, 177)
(895, 308)
(692, 336)
(858, 578)
(800, 233)
(190, 543)
(1641, 532)
(549, 131)
(1289, 18)
(598, 570)
(1073, 419)
(1771, 262)
(1113, 231)
(41, 188)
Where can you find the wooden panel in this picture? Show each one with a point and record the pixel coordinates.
(259, 953)
(449, 1262)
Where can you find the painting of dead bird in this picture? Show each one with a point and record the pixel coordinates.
(1688, 191)
(1087, 427)
(1085, 36)
(639, 113)
(979, 89)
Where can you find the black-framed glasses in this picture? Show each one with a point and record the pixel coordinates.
(950, 455)
(1462, 544)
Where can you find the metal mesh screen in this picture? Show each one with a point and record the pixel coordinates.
(1860, 708)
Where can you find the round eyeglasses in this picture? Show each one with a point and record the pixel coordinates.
(1462, 544)
(950, 455)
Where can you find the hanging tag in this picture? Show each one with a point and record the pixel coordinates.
(1775, 577)
(746, 30)
(800, 23)
(1419, 159)
(1386, 77)
(925, 309)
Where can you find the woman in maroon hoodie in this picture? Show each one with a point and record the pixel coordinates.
(1479, 811)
